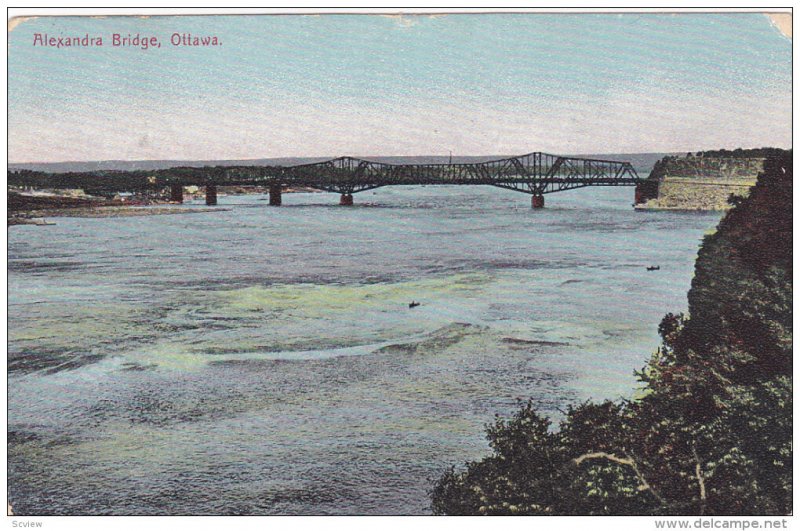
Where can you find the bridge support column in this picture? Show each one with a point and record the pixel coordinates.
(275, 195)
(638, 195)
(346, 200)
(211, 194)
(537, 201)
(176, 193)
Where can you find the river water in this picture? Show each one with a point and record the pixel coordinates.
(264, 360)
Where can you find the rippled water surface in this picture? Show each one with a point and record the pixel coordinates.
(264, 360)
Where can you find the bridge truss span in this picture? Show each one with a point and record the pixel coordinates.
(535, 173)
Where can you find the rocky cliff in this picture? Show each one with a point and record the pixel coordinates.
(698, 182)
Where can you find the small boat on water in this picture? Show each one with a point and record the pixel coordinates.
(653, 268)
(413, 304)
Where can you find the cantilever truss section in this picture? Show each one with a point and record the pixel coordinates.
(534, 173)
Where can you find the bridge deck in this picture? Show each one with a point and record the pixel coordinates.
(534, 173)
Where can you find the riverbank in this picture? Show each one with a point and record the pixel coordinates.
(705, 181)
(678, 193)
(38, 217)
(34, 209)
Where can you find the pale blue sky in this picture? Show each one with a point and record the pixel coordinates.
(376, 85)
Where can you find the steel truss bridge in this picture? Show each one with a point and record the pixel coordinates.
(535, 173)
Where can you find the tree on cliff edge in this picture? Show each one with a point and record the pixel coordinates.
(712, 432)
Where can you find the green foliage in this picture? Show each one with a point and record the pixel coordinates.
(517, 479)
(743, 153)
(711, 432)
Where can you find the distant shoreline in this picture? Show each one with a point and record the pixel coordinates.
(37, 217)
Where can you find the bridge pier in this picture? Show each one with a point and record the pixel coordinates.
(176, 193)
(638, 195)
(275, 195)
(211, 194)
(537, 201)
(346, 200)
